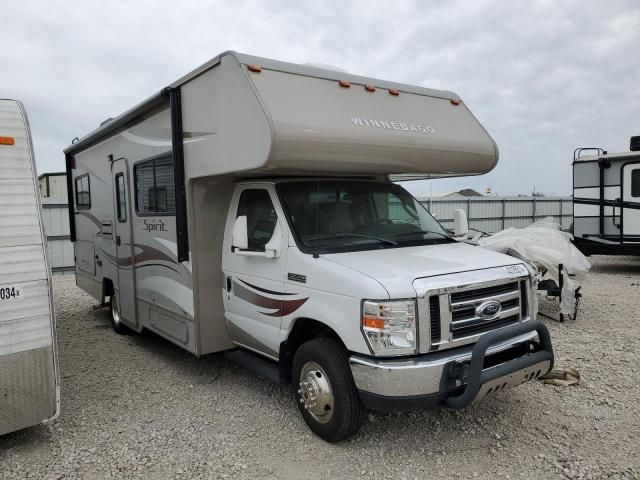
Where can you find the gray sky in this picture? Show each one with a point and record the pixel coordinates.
(543, 77)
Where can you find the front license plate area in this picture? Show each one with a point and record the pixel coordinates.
(509, 381)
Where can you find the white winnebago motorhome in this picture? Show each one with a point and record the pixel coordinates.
(606, 201)
(248, 208)
(29, 378)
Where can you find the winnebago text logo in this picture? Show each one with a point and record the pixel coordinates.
(406, 127)
(154, 226)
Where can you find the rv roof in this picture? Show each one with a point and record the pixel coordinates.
(306, 70)
(611, 156)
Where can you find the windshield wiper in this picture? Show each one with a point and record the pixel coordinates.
(359, 235)
(423, 232)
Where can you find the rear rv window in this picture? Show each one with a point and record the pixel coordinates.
(155, 190)
(83, 193)
(635, 183)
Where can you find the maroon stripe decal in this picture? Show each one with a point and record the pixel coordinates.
(147, 254)
(288, 307)
(264, 290)
(281, 307)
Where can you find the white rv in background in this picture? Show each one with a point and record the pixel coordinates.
(606, 200)
(248, 207)
(29, 378)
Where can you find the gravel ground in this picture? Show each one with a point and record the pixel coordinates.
(138, 407)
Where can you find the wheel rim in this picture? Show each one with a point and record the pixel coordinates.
(115, 312)
(316, 395)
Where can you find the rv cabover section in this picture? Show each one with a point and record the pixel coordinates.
(248, 207)
(606, 201)
(29, 378)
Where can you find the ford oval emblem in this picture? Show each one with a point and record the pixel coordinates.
(489, 310)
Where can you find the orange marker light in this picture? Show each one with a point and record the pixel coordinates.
(7, 141)
(345, 84)
(455, 101)
(254, 68)
(394, 92)
(370, 88)
(372, 322)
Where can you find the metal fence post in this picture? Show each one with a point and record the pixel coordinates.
(504, 211)
(533, 211)
(561, 216)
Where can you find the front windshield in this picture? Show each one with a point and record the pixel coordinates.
(331, 216)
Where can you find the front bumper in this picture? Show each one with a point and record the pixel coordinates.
(458, 377)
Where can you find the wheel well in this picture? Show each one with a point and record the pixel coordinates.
(303, 330)
(107, 289)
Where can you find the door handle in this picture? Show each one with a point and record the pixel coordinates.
(118, 241)
(613, 218)
(228, 284)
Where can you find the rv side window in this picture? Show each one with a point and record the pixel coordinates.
(155, 190)
(121, 200)
(261, 217)
(635, 183)
(83, 194)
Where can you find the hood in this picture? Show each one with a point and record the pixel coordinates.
(397, 268)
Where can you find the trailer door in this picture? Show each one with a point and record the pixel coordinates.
(631, 202)
(126, 288)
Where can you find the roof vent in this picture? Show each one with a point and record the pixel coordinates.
(106, 121)
(325, 66)
(634, 145)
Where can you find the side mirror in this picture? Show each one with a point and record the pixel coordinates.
(460, 223)
(240, 237)
(272, 247)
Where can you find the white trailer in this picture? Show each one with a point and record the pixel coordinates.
(248, 208)
(606, 200)
(29, 378)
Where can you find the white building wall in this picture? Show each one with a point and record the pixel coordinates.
(55, 216)
(492, 214)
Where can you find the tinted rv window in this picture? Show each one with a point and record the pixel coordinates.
(155, 190)
(121, 201)
(261, 217)
(635, 183)
(83, 194)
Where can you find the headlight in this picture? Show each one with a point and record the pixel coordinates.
(390, 326)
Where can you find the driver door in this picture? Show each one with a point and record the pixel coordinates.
(254, 284)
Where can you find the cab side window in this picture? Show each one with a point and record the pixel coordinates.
(256, 205)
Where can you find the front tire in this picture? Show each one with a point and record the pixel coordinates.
(116, 319)
(326, 394)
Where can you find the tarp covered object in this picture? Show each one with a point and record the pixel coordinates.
(544, 246)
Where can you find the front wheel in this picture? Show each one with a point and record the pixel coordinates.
(326, 394)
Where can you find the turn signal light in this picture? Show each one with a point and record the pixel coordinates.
(7, 141)
(372, 322)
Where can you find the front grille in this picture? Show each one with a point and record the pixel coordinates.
(524, 305)
(482, 293)
(434, 315)
(464, 320)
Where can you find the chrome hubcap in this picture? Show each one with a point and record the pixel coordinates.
(115, 312)
(315, 392)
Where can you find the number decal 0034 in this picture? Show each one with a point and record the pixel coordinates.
(9, 293)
